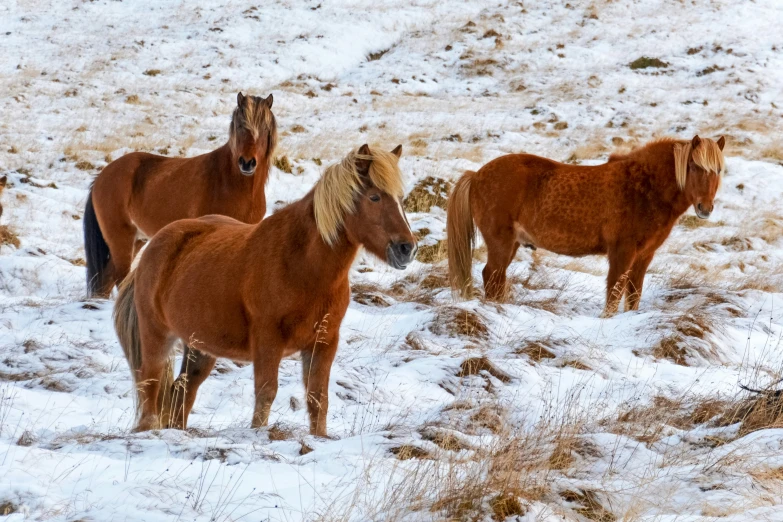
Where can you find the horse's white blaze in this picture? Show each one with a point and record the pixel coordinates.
(402, 213)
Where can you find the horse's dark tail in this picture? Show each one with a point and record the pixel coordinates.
(96, 251)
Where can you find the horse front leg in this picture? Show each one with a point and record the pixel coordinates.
(316, 368)
(620, 261)
(266, 363)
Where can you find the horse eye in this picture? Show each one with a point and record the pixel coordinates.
(375, 198)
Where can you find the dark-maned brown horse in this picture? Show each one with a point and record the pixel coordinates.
(625, 209)
(140, 193)
(3, 183)
(258, 292)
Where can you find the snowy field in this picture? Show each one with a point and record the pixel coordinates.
(563, 416)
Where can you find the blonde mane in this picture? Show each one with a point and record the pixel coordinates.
(706, 155)
(335, 193)
(256, 117)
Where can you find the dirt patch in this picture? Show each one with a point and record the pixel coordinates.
(646, 62)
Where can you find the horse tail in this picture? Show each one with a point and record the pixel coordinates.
(461, 233)
(126, 324)
(96, 250)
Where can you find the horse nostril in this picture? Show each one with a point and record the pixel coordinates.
(405, 249)
(247, 166)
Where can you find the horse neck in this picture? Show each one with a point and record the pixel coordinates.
(258, 197)
(255, 184)
(318, 264)
(658, 164)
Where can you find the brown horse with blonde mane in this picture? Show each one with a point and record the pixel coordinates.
(258, 292)
(138, 194)
(624, 209)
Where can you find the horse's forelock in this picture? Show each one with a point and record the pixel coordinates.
(257, 118)
(706, 155)
(335, 193)
(709, 156)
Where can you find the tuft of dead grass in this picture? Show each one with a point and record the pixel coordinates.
(478, 365)
(506, 505)
(427, 193)
(8, 508)
(536, 351)
(284, 164)
(409, 451)
(8, 237)
(763, 412)
(452, 320)
(432, 253)
(588, 505)
(690, 338)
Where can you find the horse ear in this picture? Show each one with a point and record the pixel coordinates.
(3, 182)
(363, 165)
(721, 142)
(695, 142)
(269, 101)
(240, 99)
(397, 151)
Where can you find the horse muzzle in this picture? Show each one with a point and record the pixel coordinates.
(247, 168)
(399, 254)
(702, 212)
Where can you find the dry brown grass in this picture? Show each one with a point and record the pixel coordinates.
(284, 164)
(479, 365)
(432, 253)
(648, 423)
(763, 412)
(536, 351)
(588, 505)
(409, 451)
(8, 237)
(691, 221)
(690, 335)
(427, 193)
(453, 321)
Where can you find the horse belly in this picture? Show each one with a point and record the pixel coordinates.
(570, 239)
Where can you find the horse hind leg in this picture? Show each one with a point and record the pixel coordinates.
(154, 380)
(121, 239)
(501, 247)
(196, 367)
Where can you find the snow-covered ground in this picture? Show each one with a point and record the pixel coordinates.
(457, 84)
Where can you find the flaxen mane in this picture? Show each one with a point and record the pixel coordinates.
(256, 117)
(707, 156)
(335, 192)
